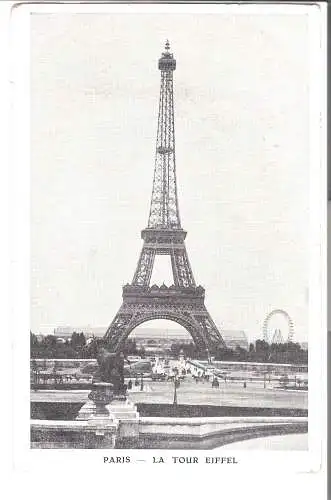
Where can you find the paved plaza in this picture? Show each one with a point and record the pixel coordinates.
(192, 393)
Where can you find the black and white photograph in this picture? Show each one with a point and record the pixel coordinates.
(174, 273)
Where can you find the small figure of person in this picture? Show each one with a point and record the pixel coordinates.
(130, 384)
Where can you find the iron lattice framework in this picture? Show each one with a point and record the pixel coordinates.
(183, 302)
(164, 212)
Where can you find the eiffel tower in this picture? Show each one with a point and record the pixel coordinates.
(182, 302)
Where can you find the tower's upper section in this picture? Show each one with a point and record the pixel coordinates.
(167, 61)
(164, 212)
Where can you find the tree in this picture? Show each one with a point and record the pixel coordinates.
(190, 350)
(225, 354)
(82, 339)
(241, 354)
(175, 349)
(261, 346)
(35, 370)
(130, 347)
(75, 340)
(33, 339)
(49, 341)
(142, 352)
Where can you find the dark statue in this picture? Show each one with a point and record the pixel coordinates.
(110, 366)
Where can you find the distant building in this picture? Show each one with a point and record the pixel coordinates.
(65, 332)
(158, 339)
(155, 338)
(277, 337)
(235, 338)
(60, 340)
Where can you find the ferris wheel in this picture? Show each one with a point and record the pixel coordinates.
(276, 336)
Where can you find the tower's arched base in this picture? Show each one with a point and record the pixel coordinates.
(184, 305)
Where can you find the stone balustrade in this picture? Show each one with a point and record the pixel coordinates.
(159, 432)
(74, 434)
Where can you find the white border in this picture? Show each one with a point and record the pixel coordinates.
(50, 460)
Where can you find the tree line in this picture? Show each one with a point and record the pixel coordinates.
(259, 352)
(50, 347)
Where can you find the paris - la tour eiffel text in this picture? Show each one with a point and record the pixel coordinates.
(182, 302)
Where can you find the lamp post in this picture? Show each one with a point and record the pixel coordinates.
(221, 386)
(141, 382)
(175, 386)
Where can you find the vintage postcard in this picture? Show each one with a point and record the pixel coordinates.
(172, 200)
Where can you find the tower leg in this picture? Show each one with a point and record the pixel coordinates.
(119, 329)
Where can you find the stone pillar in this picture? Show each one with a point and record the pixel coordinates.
(106, 409)
(125, 413)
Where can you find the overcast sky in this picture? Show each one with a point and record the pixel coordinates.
(242, 149)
